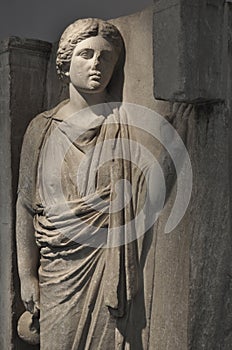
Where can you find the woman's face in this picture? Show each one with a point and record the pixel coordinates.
(92, 65)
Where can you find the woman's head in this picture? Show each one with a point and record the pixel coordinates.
(79, 31)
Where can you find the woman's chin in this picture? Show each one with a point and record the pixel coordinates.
(93, 88)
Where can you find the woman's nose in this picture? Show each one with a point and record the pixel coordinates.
(96, 60)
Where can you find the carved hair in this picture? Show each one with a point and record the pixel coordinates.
(79, 31)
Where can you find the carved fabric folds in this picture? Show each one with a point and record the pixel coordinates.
(87, 293)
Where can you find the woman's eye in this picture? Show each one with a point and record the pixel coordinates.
(86, 54)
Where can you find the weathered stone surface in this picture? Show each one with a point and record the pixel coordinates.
(6, 237)
(189, 55)
(210, 298)
(205, 238)
(23, 65)
(210, 301)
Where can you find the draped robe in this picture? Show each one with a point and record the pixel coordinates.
(89, 273)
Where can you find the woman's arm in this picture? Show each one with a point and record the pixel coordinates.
(27, 251)
(28, 257)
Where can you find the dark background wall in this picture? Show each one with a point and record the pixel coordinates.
(46, 20)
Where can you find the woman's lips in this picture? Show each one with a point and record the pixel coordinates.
(95, 75)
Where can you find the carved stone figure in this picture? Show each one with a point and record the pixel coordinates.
(84, 284)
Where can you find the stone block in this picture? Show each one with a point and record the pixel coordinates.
(189, 50)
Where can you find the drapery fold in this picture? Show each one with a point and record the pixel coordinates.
(82, 223)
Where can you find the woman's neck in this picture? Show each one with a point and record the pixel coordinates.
(79, 100)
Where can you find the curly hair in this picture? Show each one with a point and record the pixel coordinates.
(79, 31)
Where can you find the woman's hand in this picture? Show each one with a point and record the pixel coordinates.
(30, 294)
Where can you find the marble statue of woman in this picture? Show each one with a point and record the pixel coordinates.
(82, 291)
(88, 291)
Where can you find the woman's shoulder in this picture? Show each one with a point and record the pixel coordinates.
(40, 121)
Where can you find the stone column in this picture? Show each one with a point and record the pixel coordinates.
(193, 64)
(23, 68)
